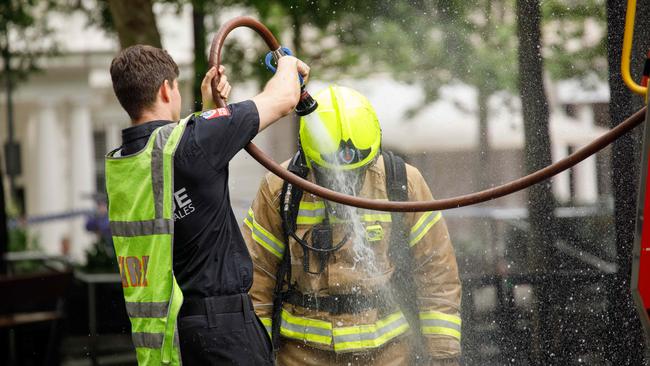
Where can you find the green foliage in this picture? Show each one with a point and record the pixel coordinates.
(99, 259)
(97, 12)
(23, 38)
(18, 240)
(429, 42)
(569, 50)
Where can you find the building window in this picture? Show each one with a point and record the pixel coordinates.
(571, 110)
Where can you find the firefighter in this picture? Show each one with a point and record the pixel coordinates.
(183, 262)
(336, 285)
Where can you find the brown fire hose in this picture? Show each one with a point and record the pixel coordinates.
(420, 206)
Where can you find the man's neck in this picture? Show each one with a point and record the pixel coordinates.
(148, 116)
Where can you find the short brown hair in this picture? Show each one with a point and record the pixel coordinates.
(137, 73)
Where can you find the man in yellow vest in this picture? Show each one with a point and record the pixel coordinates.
(339, 286)
(183, 262)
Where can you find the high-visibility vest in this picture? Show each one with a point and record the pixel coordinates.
(140, 211)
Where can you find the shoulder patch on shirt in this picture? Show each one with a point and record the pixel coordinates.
(214, 113)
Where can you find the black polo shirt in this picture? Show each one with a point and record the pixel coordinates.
(210, 256)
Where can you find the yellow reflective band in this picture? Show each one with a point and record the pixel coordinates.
(370, 335)
(312, 213)
(421, 228)
(263, 237)
(305, 329)
(268, 322)
(312, 206)
(377, 217)
(441, 331)
(432, 314)
(366, 217)
(435, 322)
(307, 220)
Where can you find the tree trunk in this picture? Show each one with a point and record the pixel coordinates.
(537, 154)
(482, 172)
(625, 342)
(135, 22)
(4, 231)
(200, 56)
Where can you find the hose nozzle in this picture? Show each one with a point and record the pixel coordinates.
(306, 104)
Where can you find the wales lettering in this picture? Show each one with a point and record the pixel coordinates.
(182, 204)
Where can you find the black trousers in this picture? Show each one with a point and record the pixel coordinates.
(222, 330)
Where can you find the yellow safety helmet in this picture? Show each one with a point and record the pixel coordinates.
(343, 132)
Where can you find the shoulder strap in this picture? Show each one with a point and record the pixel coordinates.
(404, 284)
(396, 180)
(397, 190)
(290, 197)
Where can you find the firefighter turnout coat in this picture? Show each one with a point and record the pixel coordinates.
(354, 270)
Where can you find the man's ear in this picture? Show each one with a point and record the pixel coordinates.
(166, 91)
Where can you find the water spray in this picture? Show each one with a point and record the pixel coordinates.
(397, 206)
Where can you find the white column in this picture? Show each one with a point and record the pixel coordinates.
(561, 183)
(586, 115)
(586, 181)
(50, 193)
(82, 177)
(113, 137)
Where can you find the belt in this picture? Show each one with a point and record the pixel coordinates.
(216, 305)
(340, 304)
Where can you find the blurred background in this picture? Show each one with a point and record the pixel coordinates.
(474, 94)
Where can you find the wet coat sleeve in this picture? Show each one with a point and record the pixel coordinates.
(262, 231)
(435, 273)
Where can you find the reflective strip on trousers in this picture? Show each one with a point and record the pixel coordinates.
(371, 335)
(435, 322)
(426, 221)
(263, 237)
(141, 228)
(147, 309)
(305, 329)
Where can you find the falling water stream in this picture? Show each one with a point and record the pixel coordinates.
(364, 256)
